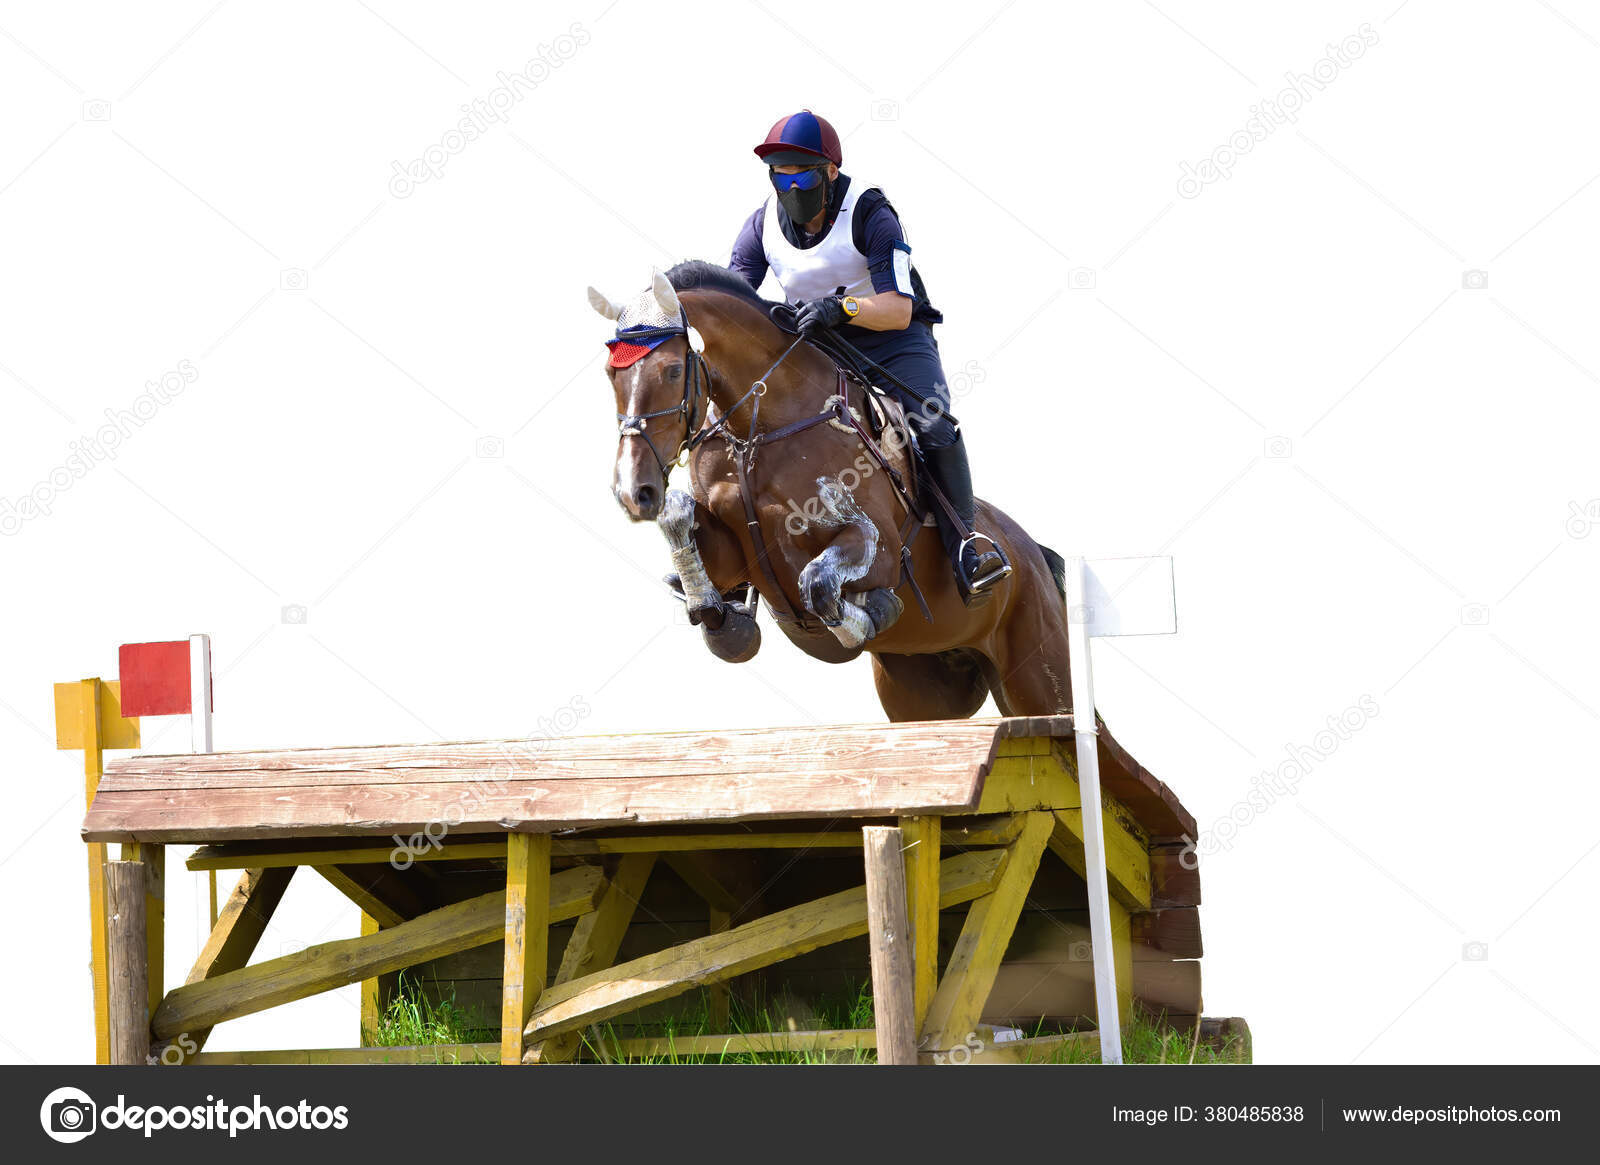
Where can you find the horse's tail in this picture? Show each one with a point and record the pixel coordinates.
(1058, 567)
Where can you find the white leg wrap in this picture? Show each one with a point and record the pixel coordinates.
(855, 627)
(677, 524)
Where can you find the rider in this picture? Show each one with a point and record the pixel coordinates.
(841, 257)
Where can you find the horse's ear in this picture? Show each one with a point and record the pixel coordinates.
(603, 305)
(666, 297)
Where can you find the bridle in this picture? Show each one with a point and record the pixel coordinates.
(692, 408)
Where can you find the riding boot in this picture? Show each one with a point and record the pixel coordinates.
(977, 559)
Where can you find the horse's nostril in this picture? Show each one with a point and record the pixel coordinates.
(645, 496)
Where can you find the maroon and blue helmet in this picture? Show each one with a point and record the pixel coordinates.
(801, 139)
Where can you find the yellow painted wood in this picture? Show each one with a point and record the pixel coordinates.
(326, 966)
(211, 876)
(1038, 1050)
(1122, 960)
(748, 947)
(983, 830)
(595, 941)
(719, 1002)
(1020, 784)
(1127, 854)
(240, 924)
(420, 1054)
(975, 959)
(89, 717)
(922, 836)
(371, 989)
(371, 905)
(527, 936)
(745, 1043)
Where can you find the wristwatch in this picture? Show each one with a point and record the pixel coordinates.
(851, 306)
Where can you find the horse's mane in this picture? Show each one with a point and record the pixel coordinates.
(699, 275)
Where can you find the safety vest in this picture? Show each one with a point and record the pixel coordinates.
(831, 267)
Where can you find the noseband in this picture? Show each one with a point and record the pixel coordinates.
(691, 408)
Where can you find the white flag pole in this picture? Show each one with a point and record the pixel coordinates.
(200, 718)
(1087, 737)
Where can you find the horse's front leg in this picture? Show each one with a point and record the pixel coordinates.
(693, 536)
(848, 558)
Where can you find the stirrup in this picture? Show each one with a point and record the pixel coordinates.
(977, 591)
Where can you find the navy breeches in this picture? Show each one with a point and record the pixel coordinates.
(912, 355)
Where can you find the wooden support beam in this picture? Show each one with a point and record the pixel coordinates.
(719, 996)
(921, 839)
(154, 860)
(594, 943)
(377, 890)
(372, 990)
(129, 987)
(1038, 1050)
(970, 974)
(1122, 959)
(417, 1054)
(745, 1043)
(756, 944)
(240, 924)
(527, 936)
(326, 966)
(1127, 853)
(888, 931)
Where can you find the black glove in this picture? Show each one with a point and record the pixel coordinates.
(818, 314)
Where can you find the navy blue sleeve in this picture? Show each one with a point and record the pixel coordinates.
(877, 235)
(749, 256)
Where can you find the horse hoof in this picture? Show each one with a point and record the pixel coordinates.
(737, 640)
(883, 607)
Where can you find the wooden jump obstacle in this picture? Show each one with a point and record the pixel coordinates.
(571, 882)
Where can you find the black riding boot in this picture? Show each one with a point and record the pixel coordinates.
(979, 562)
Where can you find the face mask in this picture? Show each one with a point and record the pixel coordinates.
(802, 195)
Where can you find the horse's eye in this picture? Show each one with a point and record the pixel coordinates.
(674, 372)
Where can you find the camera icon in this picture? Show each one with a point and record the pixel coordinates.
(67, 1115)
(1582, 519)
(294, 279)
(1474, 952)
(1475, 615)
(1081, 951)
(1081, 279)
(1475, 280)
(489, 447)
(1080, 613)
(97, 109)
(1277, 448)
(883, 109)
(293, 613)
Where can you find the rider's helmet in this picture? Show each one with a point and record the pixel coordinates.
(801, 139)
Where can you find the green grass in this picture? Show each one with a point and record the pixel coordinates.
(413, 1019)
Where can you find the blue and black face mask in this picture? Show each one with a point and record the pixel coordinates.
(802, 195)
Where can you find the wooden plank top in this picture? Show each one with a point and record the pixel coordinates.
(543, 785)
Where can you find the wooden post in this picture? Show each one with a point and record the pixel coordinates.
(892, 987)
(527, 937)
(93, 767)
(922, 837)
(154, 860)
(372, 1001)
(128, 979)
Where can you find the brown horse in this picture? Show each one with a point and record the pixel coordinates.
(720, 379)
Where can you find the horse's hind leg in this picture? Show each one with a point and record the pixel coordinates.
(947, 686)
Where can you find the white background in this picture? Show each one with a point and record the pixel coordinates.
(1367, 471)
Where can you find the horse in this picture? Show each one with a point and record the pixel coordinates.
(791, 497)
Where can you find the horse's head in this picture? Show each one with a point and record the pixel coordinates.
(660, 392)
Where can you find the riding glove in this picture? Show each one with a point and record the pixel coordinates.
(819, 314)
